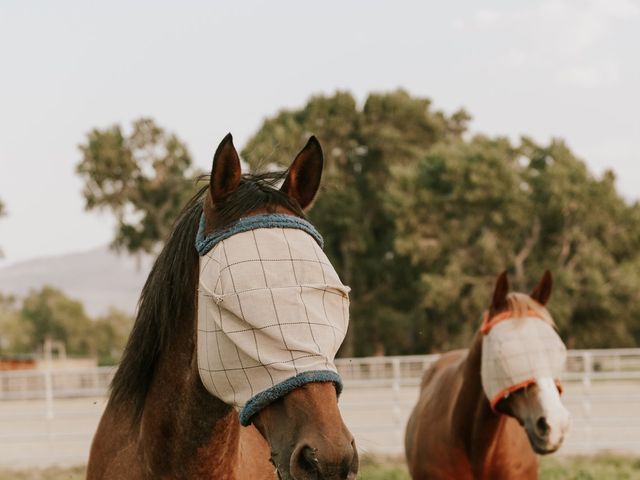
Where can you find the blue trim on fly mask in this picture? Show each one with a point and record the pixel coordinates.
(270, 395)
(266, 220)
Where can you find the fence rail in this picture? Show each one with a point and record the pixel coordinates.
(55, 412)
(602, 392)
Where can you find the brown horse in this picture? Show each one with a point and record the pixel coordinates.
(456, 432)
(160, 421)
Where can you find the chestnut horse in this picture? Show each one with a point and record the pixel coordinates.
(160, 422)
(455, 433)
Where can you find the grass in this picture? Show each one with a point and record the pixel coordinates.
(383, 468)
(52, 473)
(597, 467)
(609, 467)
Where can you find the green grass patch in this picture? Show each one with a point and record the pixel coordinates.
(383, 468)
(598, 467)
(609, 467)
(51, 473)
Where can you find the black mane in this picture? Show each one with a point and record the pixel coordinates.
(255, 191)
(169, 293)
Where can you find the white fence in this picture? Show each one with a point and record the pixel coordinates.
(601, 390)
(50, 416)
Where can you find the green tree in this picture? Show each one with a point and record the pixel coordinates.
(111, 332)
(473, 208)
(418, 218)
(144, 178)
(48, 313)
(457, 214)
(363, 146)
(15, 332)
(53, 315)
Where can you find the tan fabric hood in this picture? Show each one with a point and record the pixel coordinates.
(272, 313)
(516, 352)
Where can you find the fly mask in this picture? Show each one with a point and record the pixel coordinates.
(517, 352)
(272, 311)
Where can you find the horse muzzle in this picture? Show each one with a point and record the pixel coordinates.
(310, 463)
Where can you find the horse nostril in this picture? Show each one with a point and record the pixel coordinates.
(542, 426)
(306, 462)
(309, 457)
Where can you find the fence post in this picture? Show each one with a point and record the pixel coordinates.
(587, 372)
(48, 380)
(396, 399)
(48, 391)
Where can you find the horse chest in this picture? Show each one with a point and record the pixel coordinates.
(242, 455)
(508, 456)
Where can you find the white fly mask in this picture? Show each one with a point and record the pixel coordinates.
(272, 311)
(516, 352)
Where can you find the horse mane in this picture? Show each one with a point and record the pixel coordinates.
(254, 192)
(519, 304)
(169, 293)
(165, 299)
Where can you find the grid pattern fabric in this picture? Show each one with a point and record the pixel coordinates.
(519, 351)
(271, 308)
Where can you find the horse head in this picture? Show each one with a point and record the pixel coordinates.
(279, 314)
(522, 359)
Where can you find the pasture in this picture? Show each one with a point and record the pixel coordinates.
(393, 468)
(551, 468)
(602, 391)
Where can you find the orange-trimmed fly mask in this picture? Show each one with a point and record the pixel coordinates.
(272, 311)
(516, 351)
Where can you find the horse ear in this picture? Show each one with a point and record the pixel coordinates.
(303, 177)
(225, 171)
(500, 292)
(542, 292)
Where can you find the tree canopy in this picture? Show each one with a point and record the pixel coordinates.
(473, 208)
(144, 178)
(52, 315)
(419, 217)
(49, 313)
(363, 147)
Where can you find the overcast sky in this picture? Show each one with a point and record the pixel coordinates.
(567, 69)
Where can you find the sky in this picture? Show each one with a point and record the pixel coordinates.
(567, 69)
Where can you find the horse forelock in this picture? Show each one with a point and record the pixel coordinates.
(520, 304)
(256, 192)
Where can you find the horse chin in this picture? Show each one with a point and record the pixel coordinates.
(542, 446)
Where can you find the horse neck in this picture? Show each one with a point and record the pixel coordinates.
(480, 434)
(181, 420)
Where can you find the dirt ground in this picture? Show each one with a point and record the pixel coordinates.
(376, 416)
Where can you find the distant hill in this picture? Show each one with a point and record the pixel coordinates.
(99, 278)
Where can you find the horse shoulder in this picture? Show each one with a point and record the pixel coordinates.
(113, 450)
(431, 452)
